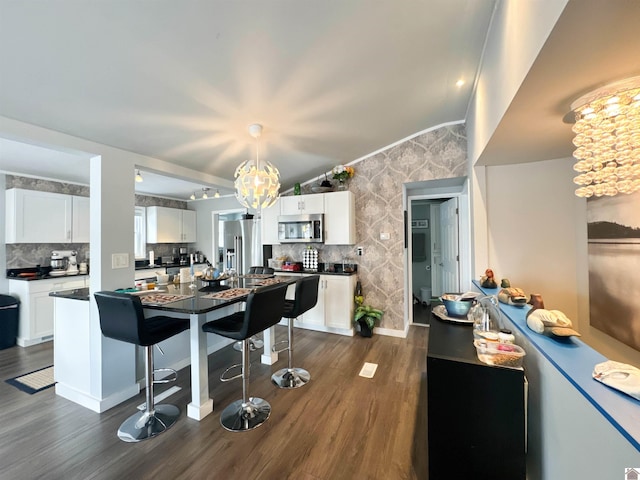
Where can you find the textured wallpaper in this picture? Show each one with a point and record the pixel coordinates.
(377, 186)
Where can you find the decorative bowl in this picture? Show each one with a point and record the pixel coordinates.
(319, 189)
(456, 308)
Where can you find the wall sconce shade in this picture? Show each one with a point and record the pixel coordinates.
(607, 138)
(204, 192)
(217, 194)
(139, 177)
(257, 185)
(193, 196)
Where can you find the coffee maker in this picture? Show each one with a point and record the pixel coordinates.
(184, 256)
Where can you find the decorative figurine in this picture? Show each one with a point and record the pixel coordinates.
(513, 296)
(488, 280)
(536, 302)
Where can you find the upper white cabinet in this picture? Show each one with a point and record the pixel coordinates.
(338, 209)
(80, 220)
(339, 218)
(41, 217)
(307, 204)
(269, 224)
(170, 225)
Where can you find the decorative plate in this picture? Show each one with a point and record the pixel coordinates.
(441, 312)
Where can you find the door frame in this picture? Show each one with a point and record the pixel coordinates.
(425, 191)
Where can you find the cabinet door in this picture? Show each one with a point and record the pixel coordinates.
(339, 218)
(80, 220)
(164, 225)
(38, 217)
(338, 295)
(291, 205)
(188, 231)
(307, 204)
(316, 315)
(269, 224)
(41, 315)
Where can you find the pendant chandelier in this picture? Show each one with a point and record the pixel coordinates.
(607, 138)
(257, 184)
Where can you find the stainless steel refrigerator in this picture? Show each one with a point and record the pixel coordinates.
(241, 246)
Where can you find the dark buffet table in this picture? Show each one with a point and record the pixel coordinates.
(475, 412)
(198, 309)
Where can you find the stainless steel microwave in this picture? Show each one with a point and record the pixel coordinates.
(301, 228)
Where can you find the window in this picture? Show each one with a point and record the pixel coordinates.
(140, 232)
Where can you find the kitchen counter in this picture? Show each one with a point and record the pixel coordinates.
(40, 274)
(75, 294)
(310, 272)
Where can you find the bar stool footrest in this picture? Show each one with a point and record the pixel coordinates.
(223, 378)
(277, 349)
(170, 378)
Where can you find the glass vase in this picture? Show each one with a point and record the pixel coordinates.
(342, 185)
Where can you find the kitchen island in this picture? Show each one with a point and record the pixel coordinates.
(75, 358)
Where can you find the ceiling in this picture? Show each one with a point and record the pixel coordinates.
(330, 81)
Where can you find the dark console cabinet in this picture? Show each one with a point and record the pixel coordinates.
(476, 412)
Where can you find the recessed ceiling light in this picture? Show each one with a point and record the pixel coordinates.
(459, 83)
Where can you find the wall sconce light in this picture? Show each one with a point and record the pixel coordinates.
(257, 187)
(204, 192)
(607, 138)
(217, 194)
(138, 176)
(193, 196)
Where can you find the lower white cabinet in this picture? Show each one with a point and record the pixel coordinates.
(334, 311)
(36, 306)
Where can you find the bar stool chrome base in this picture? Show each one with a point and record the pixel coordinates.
(291, 377)
(144, 425)
(242, 417)
(254, 344)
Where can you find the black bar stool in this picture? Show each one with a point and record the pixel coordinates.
(254, 342)
(263, 310)
(122, 318)
(305, 299)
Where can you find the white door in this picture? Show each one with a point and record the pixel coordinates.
(449, 242)
(436, 252)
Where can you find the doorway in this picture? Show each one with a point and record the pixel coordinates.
(433, 253)
(438, 254)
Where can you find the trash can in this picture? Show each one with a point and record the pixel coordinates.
(9, 318)
(425, 295)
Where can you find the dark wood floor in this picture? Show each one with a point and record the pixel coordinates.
(339, 426)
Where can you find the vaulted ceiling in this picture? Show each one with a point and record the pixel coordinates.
(329, 81)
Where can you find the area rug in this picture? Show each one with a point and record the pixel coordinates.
(35, 381)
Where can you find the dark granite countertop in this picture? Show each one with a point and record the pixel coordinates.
(75, 294)
(341, 274)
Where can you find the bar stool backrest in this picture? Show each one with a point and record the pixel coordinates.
(263, 309)
(306, 295)
(122, 318)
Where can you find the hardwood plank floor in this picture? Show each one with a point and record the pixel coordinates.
(339, 426)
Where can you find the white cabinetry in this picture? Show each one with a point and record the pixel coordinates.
(37, 217)
(306, 204)
(36, 306)
(170, 225)
(269, 224)
(334, 311)
(80, 220)
(339, 218)
(33, 216)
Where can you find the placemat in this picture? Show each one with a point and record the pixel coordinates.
(229, 294)
(162, 298)
(257, 275)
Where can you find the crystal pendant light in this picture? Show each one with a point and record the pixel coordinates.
(607, 138)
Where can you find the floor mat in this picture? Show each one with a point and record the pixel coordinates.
(35, 381)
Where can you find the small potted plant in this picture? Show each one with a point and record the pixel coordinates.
(366, 317)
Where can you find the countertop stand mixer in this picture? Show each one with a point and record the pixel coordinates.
(64, 262)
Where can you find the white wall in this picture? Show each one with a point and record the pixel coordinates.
(537, 237)
(517, 33)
